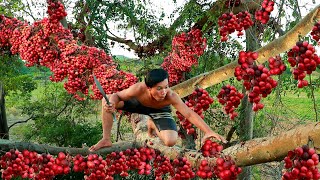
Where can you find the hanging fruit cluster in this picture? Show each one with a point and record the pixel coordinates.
(304, 61)
(301, 164)
(229, 23)
(276, 65)
(263, 15)
(315, 33)
(186, 49)
(230, 98)
(224, 168)
(256, 79)
(199, 101)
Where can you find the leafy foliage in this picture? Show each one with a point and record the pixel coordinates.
(9, 7)
(15, 75)
(59, 118)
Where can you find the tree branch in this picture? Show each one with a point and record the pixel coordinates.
(19, 122)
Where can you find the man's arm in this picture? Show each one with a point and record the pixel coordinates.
(125, 94)
(194, 118)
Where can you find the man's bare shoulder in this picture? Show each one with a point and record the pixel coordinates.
(139, 87)
(173, 96)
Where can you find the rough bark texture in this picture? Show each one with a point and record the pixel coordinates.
(251, 152)
(272, 49)
(6, 145)
(4, 130)
(275, 148)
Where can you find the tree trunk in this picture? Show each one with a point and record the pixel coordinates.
(246, 116)
(4, 130)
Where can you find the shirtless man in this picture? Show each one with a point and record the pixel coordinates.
(152, 97)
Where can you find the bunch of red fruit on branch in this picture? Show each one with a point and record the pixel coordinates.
(230, 98)
(304, 61)
(263, 15)
(256, 78)
(301, 163)
(199, 101)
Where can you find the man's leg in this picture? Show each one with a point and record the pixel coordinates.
(168, 137)
(107, 122)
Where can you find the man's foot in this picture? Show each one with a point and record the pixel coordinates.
(151, 130)
(101, 144)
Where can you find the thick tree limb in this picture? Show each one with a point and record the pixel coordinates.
(272, 49)
(6, 145)
(275, 148)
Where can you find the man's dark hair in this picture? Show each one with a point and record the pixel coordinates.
(155, 76)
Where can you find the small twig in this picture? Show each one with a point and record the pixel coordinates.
(230, 133)
(28, 12)
(18, 122)
(118, 128)
(298, 8)
(313, 98)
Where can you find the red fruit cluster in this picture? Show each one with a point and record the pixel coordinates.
(96, 168)
(304, 61)
(232, 3)
(31, 165)
(226, 169)
(198, 101)
(211, 148)
(229, 23)
(186, 49)
(256, 79)
(230, 98)
(56, 10)
(263, 15)
(162, 166)
(7, 26)
(175, 75)
(182, 169)
(315, 33)
(205, 171)
(301, 164)
(48, 43)
(276, 65)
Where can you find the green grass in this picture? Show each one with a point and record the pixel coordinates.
(293, 105)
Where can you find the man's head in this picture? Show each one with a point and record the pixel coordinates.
(157, 83)
(155, 76)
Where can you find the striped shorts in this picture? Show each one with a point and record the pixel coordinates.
(162, 118)
(163, 121)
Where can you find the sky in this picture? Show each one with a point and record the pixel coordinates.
(168, 5)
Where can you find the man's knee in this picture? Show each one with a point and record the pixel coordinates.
(169, 137)
(169, 142)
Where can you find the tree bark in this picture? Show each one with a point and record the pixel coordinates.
(280, 45)
(4, 130)
(255, 151)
